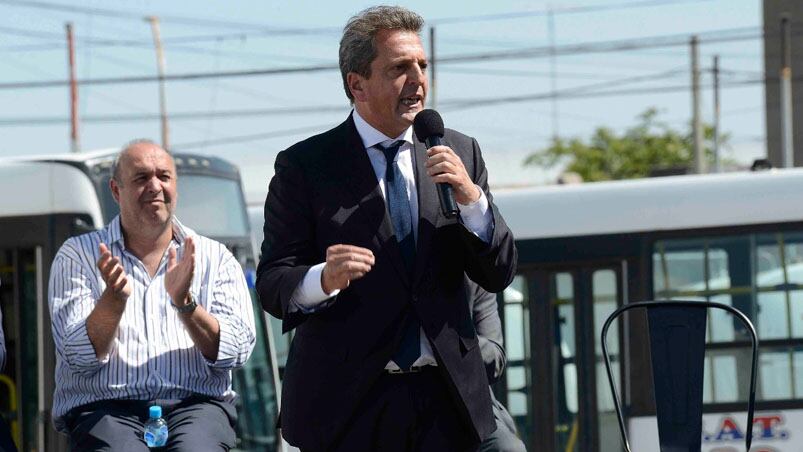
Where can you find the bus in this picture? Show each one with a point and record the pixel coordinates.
(46, 200)
(586, 249)
(281, 341)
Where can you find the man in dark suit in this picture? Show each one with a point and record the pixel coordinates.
(485, 313)
(358, 258)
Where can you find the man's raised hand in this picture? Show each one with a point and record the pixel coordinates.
(179, 273)
(113, 274)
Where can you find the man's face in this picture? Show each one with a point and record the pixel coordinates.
(394, 93)
(146, 191)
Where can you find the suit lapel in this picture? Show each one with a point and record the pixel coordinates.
(354, 167)
(427, 210)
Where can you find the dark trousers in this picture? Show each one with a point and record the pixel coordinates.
(194, 424)
(504, 438)
(6, 442)
(407, 413)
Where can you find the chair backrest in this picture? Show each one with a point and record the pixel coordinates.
(677, 346)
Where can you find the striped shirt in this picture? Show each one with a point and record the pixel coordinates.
(152, 356)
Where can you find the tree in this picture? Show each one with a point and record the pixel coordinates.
(648, 146)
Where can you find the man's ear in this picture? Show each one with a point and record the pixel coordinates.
(115, 188)
(356, 84)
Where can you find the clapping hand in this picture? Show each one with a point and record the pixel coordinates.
(179, 273)
(113, 274)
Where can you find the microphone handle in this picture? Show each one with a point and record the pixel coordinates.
(445, 191)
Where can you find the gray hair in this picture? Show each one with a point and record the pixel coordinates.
(115, 169)
(357, 46)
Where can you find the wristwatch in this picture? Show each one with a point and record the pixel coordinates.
(188, 308)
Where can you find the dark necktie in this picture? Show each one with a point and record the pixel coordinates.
(399, 209)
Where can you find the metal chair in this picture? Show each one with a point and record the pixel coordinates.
(677, 345)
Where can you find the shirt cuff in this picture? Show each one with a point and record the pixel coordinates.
(233, 347)
(477, 217)
(309, 295)
(79, 352)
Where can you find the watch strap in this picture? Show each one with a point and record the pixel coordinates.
(187, 308)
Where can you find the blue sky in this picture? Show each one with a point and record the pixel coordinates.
(213, 36)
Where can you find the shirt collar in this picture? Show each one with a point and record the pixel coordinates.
(115, 231)
(371, 137)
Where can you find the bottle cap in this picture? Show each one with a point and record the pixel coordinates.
(155, 412)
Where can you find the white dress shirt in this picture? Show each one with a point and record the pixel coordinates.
(309, 296)
(152, 355)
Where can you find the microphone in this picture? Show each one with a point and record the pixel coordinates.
(428, 126)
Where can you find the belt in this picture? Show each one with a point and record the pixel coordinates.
(411, 370)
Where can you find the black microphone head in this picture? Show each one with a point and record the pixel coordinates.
(428, 123)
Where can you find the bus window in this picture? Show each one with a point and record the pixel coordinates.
(605, 301)
(565, 377)
(775, 369)
(517, 344)
(759, 274)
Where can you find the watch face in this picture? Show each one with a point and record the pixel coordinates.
(189, 307)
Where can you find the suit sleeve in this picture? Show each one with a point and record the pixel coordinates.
(492, 264)
(288, 250)
(489, 330)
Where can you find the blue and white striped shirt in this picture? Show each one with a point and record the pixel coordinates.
(152, 356)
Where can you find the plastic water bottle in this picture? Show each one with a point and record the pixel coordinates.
(155, 428)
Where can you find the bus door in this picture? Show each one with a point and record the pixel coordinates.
(555, 385)
(22, 301)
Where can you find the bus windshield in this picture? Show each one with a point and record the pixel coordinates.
(212, 206)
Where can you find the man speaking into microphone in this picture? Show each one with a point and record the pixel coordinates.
(360, 259)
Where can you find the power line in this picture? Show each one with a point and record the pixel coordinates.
(560, 11)
(584, 91)
(190, 21)
(256, 28)
(522, 73)
(294, 110)
(736, 34)
(243, 91)
(253, 137)
(174, 77)
(725, 35)
(465, 104)
(32, 33)
(180, 116)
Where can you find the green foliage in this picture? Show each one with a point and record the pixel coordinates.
(649, 145)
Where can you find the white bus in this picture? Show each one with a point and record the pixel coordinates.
(586, 249)
(44, 201)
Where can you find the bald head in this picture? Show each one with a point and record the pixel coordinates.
(144, 185)
(135, 146)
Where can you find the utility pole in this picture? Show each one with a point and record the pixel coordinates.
(75, 145)
(696, 120)
(552, 72)
(787, 145)
(160, 65)
(716, 114)
(433, 99)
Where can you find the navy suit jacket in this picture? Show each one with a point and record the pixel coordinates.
(325, 192)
